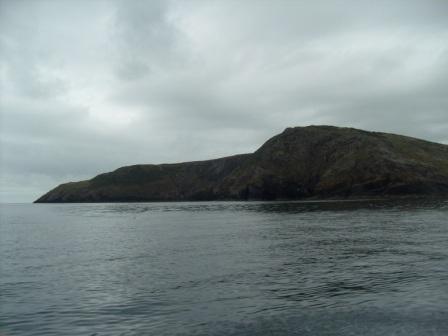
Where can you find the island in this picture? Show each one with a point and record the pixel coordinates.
(313, 162)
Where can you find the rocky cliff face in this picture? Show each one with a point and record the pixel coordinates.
(301, 162)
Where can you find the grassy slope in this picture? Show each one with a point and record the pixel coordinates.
(314, 161)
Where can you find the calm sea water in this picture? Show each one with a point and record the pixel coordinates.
(341, 268)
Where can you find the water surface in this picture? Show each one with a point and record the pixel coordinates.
(324, 268)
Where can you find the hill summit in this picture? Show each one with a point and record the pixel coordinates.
(300, 163)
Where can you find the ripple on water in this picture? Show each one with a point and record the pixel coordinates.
(235, 268)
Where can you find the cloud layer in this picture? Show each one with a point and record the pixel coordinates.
(88, 86)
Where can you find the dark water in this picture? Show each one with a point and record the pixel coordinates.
(351, 268)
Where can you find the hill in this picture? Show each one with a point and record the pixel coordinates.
(299, 163)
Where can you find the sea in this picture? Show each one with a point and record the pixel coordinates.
(368, 267)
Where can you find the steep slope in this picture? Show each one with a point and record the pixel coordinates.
(301, 162)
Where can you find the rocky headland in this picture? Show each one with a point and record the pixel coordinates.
(314, 162)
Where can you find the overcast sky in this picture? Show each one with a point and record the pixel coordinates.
(89, 86)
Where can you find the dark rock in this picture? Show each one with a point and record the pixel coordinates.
(301, 162)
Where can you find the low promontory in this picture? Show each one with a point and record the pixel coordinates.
(313, 162)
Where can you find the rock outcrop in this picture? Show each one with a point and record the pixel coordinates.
(300, 163)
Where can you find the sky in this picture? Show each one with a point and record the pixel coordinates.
(90, 86)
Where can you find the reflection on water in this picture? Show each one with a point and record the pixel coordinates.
(372, 267)
(280, 206)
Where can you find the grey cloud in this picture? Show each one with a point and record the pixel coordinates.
(89, 86)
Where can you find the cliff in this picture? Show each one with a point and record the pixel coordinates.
(299, 163)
